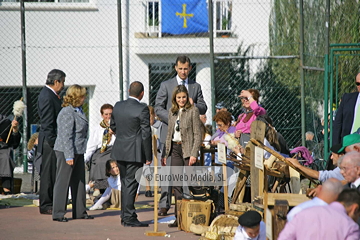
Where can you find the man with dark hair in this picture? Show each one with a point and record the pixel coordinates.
(251, 227)
(347, 119)
(163, 105)
(136, 88)
(130, 121)
(49, 106)
(335, 221)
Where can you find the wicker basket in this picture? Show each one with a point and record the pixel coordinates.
(222, 227)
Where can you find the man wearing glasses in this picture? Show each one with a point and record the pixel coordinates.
(347, 118)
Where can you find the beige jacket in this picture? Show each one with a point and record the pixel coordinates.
(190, 129)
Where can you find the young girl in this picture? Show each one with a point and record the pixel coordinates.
(113, 192)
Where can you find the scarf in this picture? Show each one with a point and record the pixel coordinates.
(106, 136)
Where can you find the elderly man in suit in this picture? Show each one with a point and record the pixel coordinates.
(49, 106)
(163, 105)
(70, 146)
(130, 121)
(347, 119)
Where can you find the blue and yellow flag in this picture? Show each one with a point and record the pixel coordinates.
(184, 16)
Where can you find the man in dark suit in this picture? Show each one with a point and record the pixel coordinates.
(130, 121)
(347, 119)
(163, 105)
(49, 106)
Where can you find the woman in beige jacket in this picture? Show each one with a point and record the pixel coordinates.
(184, 135)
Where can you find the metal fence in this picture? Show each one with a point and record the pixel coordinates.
(256, 45)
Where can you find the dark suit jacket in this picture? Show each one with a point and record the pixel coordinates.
(49, 106)
(344, 117)
(163, 101)
(130, 120)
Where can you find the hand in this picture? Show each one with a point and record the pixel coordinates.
(314, 192)
(70, 162)
(15, 125)
(163, 162)
(136, 197)
(237, 133)
(111, 131)
(214, 142)
(294, 161)
(192, 161)
(238, 149)
(245, 94)
(191, 101)
(148, 162)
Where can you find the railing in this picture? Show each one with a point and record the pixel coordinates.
(222, 17)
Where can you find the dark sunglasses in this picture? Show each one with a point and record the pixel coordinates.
(357, 83)
(177, 125)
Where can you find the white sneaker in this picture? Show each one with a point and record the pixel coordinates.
(95, 208)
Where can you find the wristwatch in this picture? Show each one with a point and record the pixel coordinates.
(248, 98)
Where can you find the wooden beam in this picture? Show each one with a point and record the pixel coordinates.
(293, 199)
(256, 175)
(240, 184)
(281, 208)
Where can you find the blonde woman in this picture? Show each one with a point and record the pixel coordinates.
(70, 146)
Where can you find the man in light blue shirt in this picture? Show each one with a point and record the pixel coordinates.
(327, 193)
(325, 174)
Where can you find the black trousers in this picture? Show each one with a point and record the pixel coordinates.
(47, 177)
(178, 161)
(7, 182)
(129, 187)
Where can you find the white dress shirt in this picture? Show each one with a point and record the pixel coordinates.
(240, 233)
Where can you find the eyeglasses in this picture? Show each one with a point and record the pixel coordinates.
(357, 83)
(177, 125)
(244, 99)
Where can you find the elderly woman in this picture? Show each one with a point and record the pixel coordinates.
(184, 135)
(223, 121)
(98, 149)
(249, 99)
(70, 145)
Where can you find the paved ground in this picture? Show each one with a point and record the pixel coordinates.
(27, 223)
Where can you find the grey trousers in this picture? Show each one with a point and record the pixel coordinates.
(73, 176)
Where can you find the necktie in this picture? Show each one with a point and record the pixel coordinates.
(58, 96)
(183, 82)
(353, 186)
(356, 124)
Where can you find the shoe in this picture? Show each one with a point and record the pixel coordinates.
(163, 212)
(87, 217)
(148, 194)
(135, 223)
(47, 212)
(7, 193)
(174, 224)
(93, 208)
(62, 219)
(187, 196)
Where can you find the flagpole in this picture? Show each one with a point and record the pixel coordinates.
(212, 73)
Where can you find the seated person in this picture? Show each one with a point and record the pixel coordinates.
(249, 99)
(113, 192)
(98, 149)
(251, 227)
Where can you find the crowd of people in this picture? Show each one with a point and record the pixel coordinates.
(122, 144)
